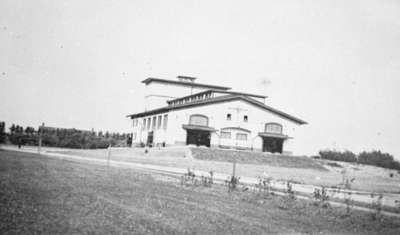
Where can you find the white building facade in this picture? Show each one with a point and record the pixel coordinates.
(184, 112)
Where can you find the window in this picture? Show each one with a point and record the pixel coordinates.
(159, 122)
(228, 116)
(165, 121)
(245, 118)
(144, 124)
(154, 123)
(273, 128)
(198, 120)
(225, 135)
(148, 123)
(241, 136)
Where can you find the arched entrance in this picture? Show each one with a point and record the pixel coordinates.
(272, 138)
(198, 131)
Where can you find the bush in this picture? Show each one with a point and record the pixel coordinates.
(62, 137)
(345, 156)
(377, 158)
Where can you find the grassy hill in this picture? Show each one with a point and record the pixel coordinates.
(248, 157)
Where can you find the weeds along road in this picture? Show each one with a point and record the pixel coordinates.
(302, 191)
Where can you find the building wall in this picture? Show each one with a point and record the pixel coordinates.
(157, 94)
(217, 114)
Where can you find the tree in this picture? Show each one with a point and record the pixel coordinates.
(29, 130)
(12, 129)
(377, 158)
(2, 132)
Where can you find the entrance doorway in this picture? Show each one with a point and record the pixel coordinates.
(273, 145)
(150, 138)
(198, 137)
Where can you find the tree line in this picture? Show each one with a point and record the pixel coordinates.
(375, 158)
(62, 137)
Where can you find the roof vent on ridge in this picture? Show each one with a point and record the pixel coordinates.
(186, 78)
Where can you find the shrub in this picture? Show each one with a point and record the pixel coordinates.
(345, 156)
(377, 158)
(189, 178)
(264, 187)
(321, 197)
(289, 190)
(232, 182)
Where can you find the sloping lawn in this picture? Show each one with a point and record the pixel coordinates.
(50, 196)
(248, 157)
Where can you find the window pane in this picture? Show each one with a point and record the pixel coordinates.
(144, 124)
(240, 136)
(273, 128)
(225, 135)
(198, 120)
(148, 123)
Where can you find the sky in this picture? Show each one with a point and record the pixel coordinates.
(335, 64)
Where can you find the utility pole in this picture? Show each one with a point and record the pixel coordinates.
(234, 168)
(40, 130)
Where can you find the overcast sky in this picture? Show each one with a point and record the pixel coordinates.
(335, 64)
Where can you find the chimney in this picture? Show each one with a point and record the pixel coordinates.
(186, 78)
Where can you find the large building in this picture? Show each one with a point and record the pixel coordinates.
(184, 112)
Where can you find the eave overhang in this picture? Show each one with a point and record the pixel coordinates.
(187, 84)
(220, 99)
(273, 135)
(198, 128)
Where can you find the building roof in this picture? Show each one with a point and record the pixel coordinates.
(183, 83)
(219, 99)
(215, 91)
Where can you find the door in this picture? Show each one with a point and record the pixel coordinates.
(197, 137)
(150, 138)
(273, 145)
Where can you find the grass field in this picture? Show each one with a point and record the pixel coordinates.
(50, 196)
(247, 157)
(303, 170)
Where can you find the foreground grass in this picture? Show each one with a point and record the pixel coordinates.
(50, 196)
(247, 157)
(367, 178)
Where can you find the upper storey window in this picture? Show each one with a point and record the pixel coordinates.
(159, 122)
(198, 120)
(148, 123)
(273, 128)
(165, 123)
(245, 118)
(228, 116)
